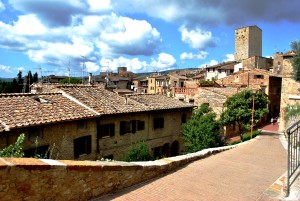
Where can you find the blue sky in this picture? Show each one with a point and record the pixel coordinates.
(51, 35)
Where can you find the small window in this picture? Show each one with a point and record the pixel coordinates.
(183, 118)
(158, 123)
(82, 146)
(81, 125)
(181, 99)
(35, 134)
(140, 125)
(192, 101)
(258, 77)
(106, 130)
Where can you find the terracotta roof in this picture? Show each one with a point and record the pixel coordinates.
(22, 110)
(158, 102)
(107, 102)
(223, 65)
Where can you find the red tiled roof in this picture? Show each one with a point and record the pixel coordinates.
(107, 102)
(22, 110)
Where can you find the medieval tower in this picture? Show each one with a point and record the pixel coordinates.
(248, 42)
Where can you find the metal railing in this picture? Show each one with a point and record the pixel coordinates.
(293, 134)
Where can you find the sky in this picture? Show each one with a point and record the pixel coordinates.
(77, 37)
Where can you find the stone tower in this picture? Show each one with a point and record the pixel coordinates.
(248, 42)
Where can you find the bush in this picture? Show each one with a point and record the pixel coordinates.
(138, 152)
(14, 151)
(246, 136)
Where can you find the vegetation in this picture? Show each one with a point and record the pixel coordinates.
(16, 86)
(138, 152)
(295, 45)
(14, 151)
(246, 136)
(239, 109)
(206, 83)
(71, 80)
(202, 130)
(292, 111)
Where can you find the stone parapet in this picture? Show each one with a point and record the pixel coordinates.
(46, 179)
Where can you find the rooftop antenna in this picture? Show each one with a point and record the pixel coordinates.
(83, 61)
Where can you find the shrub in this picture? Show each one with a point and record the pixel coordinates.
(14, 151)
(138, 152)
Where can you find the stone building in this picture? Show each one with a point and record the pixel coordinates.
(158, 84)
(248, 42)
(219, 71)
(89, 122)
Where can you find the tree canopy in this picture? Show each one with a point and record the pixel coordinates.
(239, 109)
(71, 80)
(295, 45)
(202, 130)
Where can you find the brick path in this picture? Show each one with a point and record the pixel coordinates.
(242, 173)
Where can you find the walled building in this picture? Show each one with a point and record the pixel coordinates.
(248, 42)
(158, 84)
(219, 71)
(89, 122)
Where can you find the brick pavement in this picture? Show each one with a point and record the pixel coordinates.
(242, 173)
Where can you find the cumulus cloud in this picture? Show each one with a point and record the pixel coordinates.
(99, 6)
(4, 68)
(212, 13)
(229, 57)
(209, 63)
(197, 38)
(163, 61)
(192, 56)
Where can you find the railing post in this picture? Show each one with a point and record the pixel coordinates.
(288, 174)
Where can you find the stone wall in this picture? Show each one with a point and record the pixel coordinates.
(44, 179)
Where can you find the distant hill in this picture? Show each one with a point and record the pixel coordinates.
(166, 71)
(6, 79)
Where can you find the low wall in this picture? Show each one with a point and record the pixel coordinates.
(46, 179)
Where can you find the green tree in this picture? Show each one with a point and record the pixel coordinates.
(72, 80)
(35, 78)
(239, 109)
(20, 81)
(295, 45)
(138, 152)
(29, 81)
(14, 151)
(202, 130)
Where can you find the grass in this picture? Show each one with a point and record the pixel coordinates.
(246, 136)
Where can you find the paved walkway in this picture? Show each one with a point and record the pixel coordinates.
(243, 173)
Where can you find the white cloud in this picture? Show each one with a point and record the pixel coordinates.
(22, 69)
(191, 56)
(99, 6)
(164, 60)
(197, 38)
(92, 67)
(29, 25)
(229, 57)
(2, 7)
(5, 68)
(210, 63)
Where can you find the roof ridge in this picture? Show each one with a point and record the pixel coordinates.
(78, 102)
(29, 94)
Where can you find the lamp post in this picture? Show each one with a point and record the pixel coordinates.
(252, 122)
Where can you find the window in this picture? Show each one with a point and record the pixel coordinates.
(81, 125)
(158, 123)
(183, 118)
(35, 134)
(140, 125)
(125, 127)
(106, 130)
(41, 152)
(191, 101)
(181, 99)
(258, 77)
(82, 145)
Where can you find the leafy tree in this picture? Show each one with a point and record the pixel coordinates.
(20, 81)
(35, 78)
(295, 45)
(202, 130)
(239, 109)
(138, 152)
(14, 151)
(72, 80)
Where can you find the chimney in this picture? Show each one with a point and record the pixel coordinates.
(90, 79)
